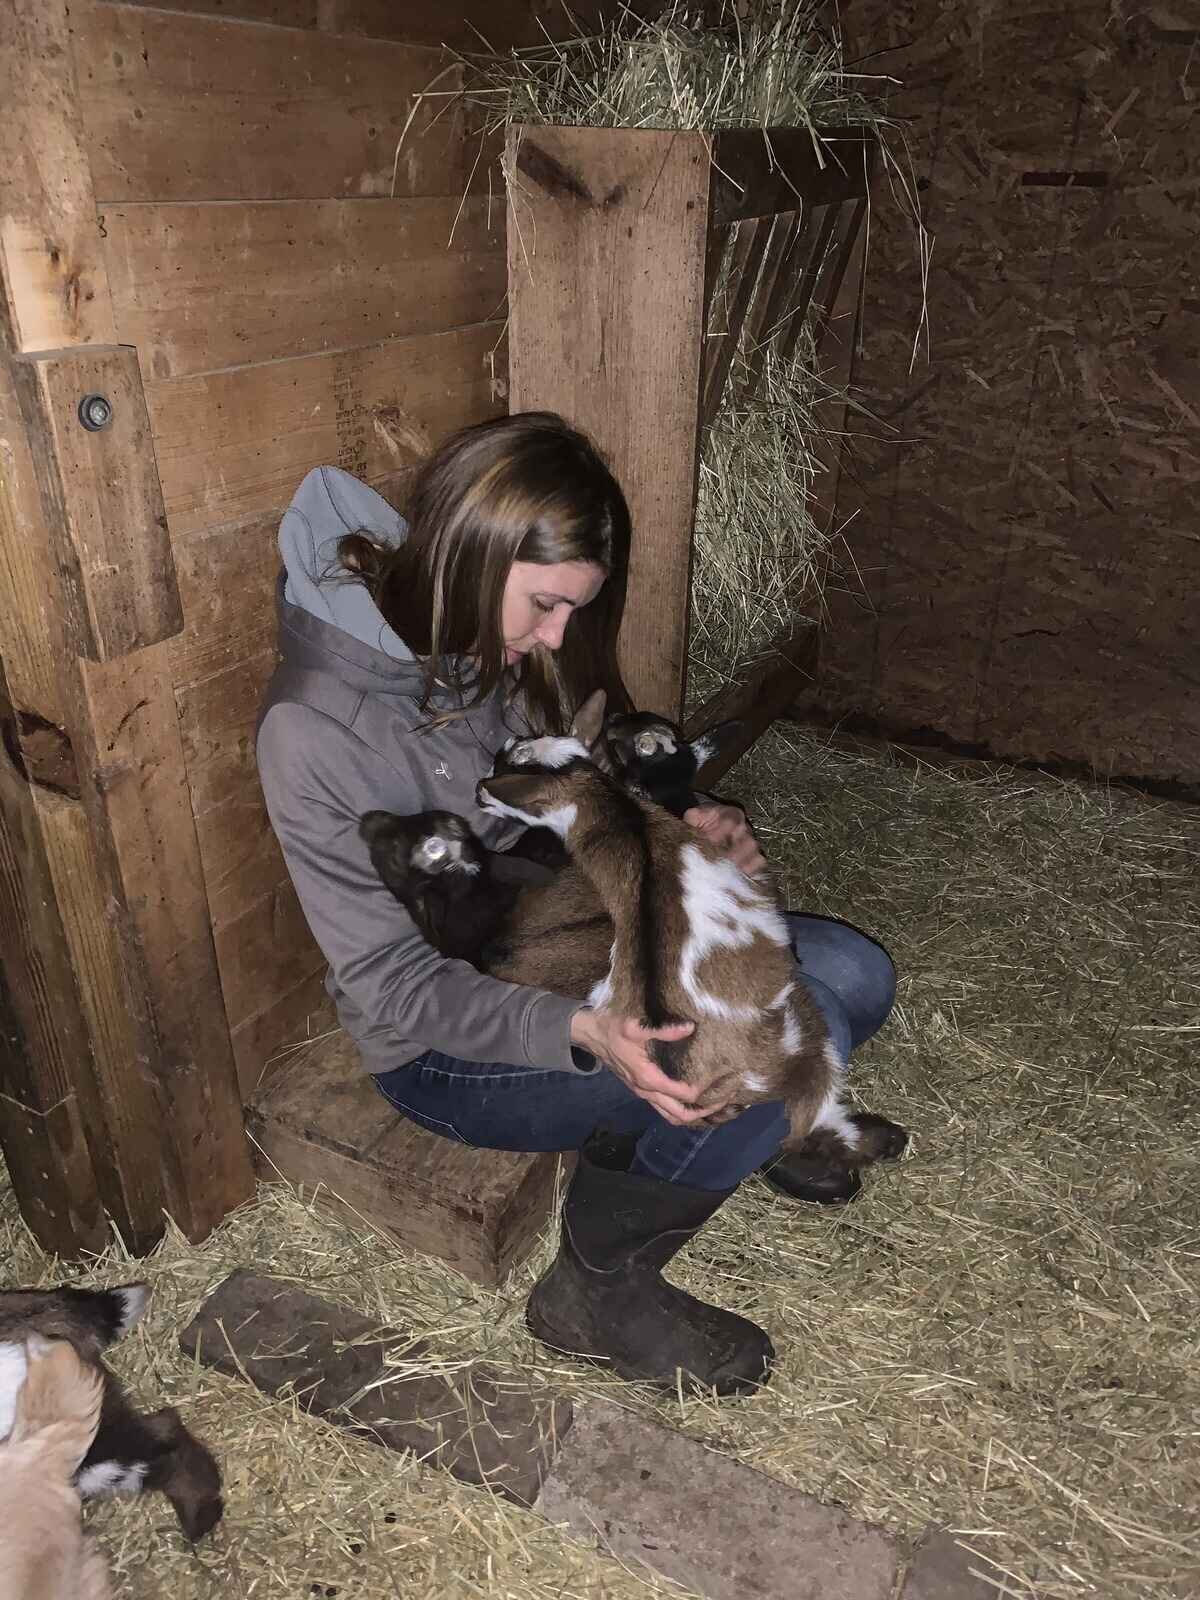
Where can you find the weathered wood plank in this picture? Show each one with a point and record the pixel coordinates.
(757, 174)
(102, 498)
(138, 803)
(321, 1120)
(479, 1424)
(53, 283)
(466, 26)
(201, 108)
(265, 953)
(44, 1043)
(613, 225)
(767, 687)
(231, 444)
(201, 287)
(267, 1039)
(721, 345)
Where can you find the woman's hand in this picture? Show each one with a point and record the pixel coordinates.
(620, 1043)
(727, 828)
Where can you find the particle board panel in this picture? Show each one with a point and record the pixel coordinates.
(290, 13)
(199, 287)
(204, 108)
(1024, 536)
(234, 443)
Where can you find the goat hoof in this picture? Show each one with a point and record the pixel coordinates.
(819, 1182)
(881, 1140)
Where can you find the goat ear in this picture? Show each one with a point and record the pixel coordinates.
(710, 743)
(132, 1300)
(589, 719)
(373, 825)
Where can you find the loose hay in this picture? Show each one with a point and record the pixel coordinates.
(999, 1335)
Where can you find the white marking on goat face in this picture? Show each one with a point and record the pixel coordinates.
(112, 1477)
(432, 853)
(724, 911)
(14, 1366)
(551, 752)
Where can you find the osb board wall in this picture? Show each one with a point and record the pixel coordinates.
(1027, 532)
(297, 295)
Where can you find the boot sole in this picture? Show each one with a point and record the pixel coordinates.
(728, 1388)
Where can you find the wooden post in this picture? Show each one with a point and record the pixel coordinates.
(607, 243)
(119, 1094)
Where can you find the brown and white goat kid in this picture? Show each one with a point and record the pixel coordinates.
(44, 1552)
(694, 940)
(132, 1453)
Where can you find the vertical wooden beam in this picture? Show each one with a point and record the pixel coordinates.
(607, 243)
(119, 1094)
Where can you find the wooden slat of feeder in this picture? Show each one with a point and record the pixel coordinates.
(796, 313)
(767, 688)
(773, 298)
(744, 269)
(757, 174)
(851, 245)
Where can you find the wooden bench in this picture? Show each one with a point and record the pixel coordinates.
(319, 1120)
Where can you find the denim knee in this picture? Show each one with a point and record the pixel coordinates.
(854, 966)
(712, 1158)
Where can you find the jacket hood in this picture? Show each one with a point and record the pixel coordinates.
(327, 620)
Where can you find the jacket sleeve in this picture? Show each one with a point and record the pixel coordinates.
(318, 778)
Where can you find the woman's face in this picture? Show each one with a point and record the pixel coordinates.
(538, 602)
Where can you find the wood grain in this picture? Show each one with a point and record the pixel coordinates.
(613, 225)
(202, 108)
(102, 498)
(201, 287)
(53, 286)
(235, 443)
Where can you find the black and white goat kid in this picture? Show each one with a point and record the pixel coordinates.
(132, 1452)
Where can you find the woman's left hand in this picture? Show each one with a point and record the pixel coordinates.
(727, 828)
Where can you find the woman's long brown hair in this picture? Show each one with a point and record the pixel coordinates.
(522, 488)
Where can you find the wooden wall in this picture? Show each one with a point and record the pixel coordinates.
(1027, 530)
(297, 295)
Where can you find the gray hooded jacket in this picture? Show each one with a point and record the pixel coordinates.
(339, 734)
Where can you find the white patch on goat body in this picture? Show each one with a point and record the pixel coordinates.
(724, 911)
(561, 819)
(793, 1034)
(112, 1477)
(782, 998)
(14, 1366)
(832, 1112)
(602, 992)
(754, 1081)
(550, 751)
(703, 749)
(134, 1298)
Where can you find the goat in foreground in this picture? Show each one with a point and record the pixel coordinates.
(131, 1453)
(44, 1553)
(693, 940)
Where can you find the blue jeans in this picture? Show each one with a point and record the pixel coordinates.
(504, 1107)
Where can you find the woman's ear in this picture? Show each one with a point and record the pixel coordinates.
(589, 719)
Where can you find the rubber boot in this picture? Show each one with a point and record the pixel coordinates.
(605, 1297)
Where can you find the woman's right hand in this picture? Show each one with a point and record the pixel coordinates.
(620, 1043)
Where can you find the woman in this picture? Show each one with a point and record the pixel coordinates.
(410, 653)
